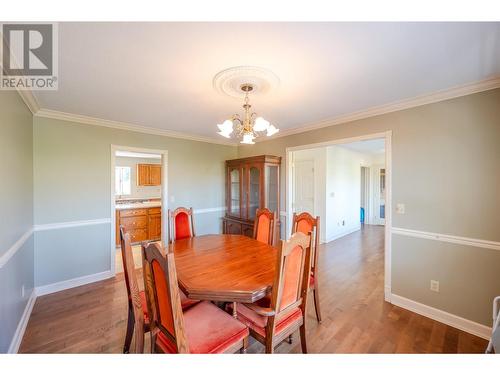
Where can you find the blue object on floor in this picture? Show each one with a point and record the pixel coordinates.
(362, 215)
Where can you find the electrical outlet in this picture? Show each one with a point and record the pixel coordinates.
(435, 286)
(22, 291)
(400, 208)
(172, 199)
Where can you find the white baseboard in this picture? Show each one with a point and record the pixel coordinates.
(23, 323)
(348, 231)
(387, 293)
(72, 283)
(442, 316)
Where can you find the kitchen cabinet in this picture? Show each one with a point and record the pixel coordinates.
(148, 174)
(143, 224)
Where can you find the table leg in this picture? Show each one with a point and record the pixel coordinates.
(235, 314)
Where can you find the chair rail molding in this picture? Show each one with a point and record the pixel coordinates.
(5, 257)
(446, 238)
(71, 224)
(208, 210)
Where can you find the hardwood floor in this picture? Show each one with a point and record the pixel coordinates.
(92, 318)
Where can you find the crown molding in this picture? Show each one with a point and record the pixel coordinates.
(81, 119)
(438, 96)
(25, 94)
(30, 100)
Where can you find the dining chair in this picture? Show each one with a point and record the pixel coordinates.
(181, 223)
(204, 328)
(264, 227)
(186, 302)
(305, 223)
(275, 317)
(138, 320)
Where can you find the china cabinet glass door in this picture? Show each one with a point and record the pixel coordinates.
(272, 188)
(253, 191)
(235, 193)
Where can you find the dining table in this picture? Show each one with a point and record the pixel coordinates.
(224, 267)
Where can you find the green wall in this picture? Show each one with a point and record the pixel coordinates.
(72, 183)
(16, 208)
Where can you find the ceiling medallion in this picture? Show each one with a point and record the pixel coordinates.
(238, 82)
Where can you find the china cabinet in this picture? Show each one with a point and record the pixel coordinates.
(251, 183)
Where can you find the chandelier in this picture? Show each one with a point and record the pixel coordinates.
(248, 127)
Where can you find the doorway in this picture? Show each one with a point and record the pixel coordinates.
(138, 199)
(344, 188)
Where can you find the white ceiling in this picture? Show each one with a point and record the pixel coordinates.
(160, 74)
(370, 146)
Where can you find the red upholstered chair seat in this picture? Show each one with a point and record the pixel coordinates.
(258, 322)
(208, 330)
(186, 303)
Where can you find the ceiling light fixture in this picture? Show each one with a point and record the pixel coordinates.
(248, 127)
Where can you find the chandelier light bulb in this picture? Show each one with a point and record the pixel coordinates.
(247, 125)
(226, 127)
(225, 134)
(248, 139)
(260, 124)
(271, 130)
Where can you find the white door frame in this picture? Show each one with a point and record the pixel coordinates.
(367, 193)
(387, 135)
(164, 195)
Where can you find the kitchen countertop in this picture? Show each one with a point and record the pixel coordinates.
(129, 206)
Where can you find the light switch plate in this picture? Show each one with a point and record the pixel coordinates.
(400, 208)
(435, 286)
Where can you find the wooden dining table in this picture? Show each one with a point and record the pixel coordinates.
(224, 267)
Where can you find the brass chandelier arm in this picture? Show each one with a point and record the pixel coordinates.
(244, 124)
(236, 118)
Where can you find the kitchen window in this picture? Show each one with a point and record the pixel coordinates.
(122, 181)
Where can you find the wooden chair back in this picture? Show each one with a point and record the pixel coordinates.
(292, 275)
(167, 301)
(147, 276)
(134, 300)
(181, 223)
(306, 223)
(264, 227)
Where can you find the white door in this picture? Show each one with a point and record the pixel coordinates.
(303, 198)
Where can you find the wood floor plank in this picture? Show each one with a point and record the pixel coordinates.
(356, 319)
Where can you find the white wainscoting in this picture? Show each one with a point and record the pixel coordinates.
(442, 316)
(72, 283)
(21, 326)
